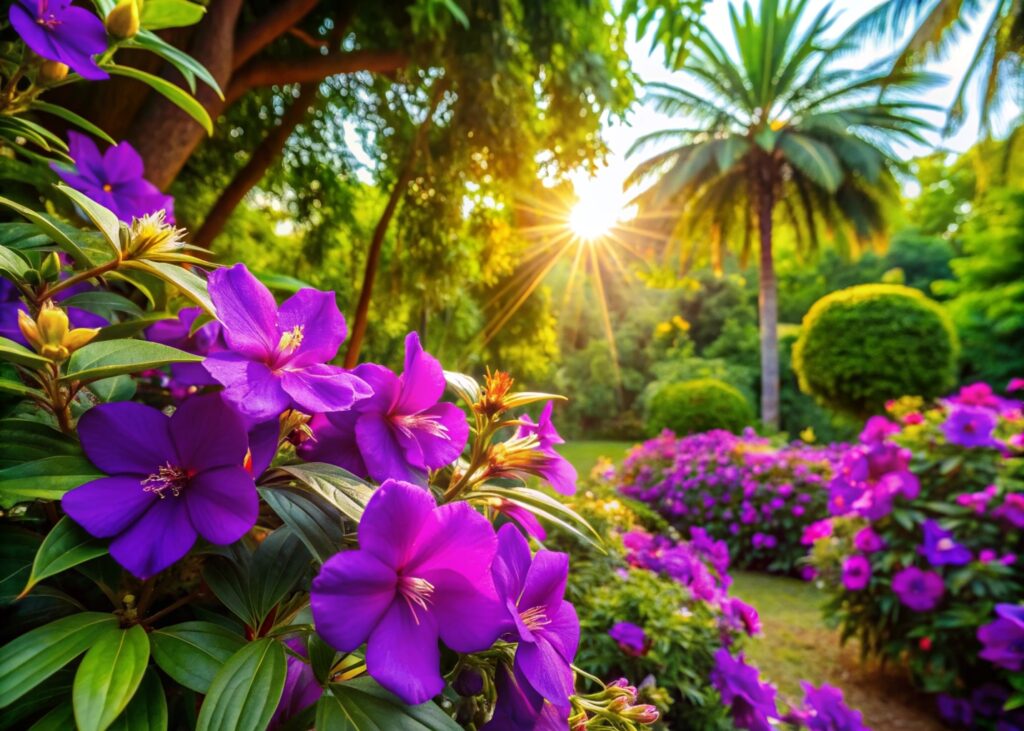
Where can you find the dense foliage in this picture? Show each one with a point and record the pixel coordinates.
(922, 557)
(862, 346)
(695, 406)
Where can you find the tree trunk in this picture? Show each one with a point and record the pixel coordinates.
(360, 321)
(768, 303)
(256, 167)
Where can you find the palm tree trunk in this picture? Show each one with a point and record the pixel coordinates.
(768, 305)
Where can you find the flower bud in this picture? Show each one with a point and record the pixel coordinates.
(469, 682)
(50, 268)
(123, 20)
(50, 72)
(49, 333)
(52, 323)
(643, 714)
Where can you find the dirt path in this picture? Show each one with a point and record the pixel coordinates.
(796, 645)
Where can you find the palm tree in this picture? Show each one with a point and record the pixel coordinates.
(997, 61)
(777, 130)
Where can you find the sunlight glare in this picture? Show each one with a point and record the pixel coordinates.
(600, 207)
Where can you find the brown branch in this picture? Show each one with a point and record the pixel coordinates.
(266, 72)
(268, 28)
(306, 38)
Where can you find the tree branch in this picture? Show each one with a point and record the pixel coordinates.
(268, 28)
(267, 72)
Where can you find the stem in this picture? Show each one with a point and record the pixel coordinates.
(195, 594)
(76, 278)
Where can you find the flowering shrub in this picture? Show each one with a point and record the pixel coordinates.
(206, 523)
(741, 489)
(923, 555)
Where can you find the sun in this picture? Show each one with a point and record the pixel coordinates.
(600, 207)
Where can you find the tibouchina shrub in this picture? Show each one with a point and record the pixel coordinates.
(741, 489)
(924, 555)
(657, 610)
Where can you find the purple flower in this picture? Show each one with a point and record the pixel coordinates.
(276, 357)
(557, 470)
(1004, 638)
(1015, 384)
(301, 688)
(856, 572)
(401, 431)
(867, 541)
(955, 711)
(940, 548)
(825, 709)
(816, 531)
(521, 708)
(917, 589)
(421, 572)
(539, 618)
(978, 501)
(177, 333)
(970, 426)
(752, 702)
(59, 31)
(742, 615)
(631, 638)
(526, 520)
(170, 479)
(113, 179)
(877, 430)
(1012, 510)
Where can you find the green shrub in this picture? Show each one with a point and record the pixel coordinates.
(696, 406)
(860, 347)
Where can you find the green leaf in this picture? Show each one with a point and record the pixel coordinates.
(465, 387)
(104, 219)
(813, 158)
(49, 228)
(186, 65)
(103, 303)
(17, 550)
(192, 653)
(64, 547)
(12, 263)
(228, 577)
(20, 389)
(69, 116)
(60, 718)
(362, 705)
(108, 677)
(147, 710)
(173, 93)
(118, 388)
(33, 657)
(190, 285)
(22, 440)
(279, 562)
(314, 520)
(339, 487)
(44, 479)
(114, 357)
(16, 353)
(544, 506)
(160, 14)
(246, 691)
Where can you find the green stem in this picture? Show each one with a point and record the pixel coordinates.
(77, 278)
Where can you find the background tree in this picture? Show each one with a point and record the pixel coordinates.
(776, 130)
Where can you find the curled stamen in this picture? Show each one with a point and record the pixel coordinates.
(534, 618)
(417, 593)
(291, 340)
(168, 477)
(429, 423)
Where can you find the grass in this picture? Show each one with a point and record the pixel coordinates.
(584, 454)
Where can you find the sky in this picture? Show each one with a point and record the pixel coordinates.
(606, 186)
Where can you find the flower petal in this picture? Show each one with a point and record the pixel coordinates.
(122, 163)
(247, 310)
(249, 386)
(545, 582)
(458, 538)
(382, 382)
(350, 596)
(422, 379)
(208, 433)
(384, 457)
(127, 437)
(511, 563)
(546, 670)
(564, 631)
(321, 388)
(159, 538)
(469, 616)
(334, 442)
(442, 444)
(321, 323)
(107, 506)
(222, 504)
(395, 515)
(402, 654)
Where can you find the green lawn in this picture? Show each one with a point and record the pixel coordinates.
(584, 454)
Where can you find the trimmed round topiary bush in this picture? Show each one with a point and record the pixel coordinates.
(860, 347)
(700, 405)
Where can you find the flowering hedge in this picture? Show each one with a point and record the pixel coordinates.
(923, 555)
(741, 489)
(206, 524)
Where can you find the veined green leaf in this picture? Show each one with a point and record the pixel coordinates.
(544, 506)
(12, 263)
(104, 219)
(188, 283)
(47, 226)
(339, 487)
(147, 711)
(114, 357)
(245, 692)
(192, 653)
(174, 94)
(44, 479)
(186, 65)
(64, 547)
(314, 520)
(362, 705)
(16, 353)
(68, 116)
(108, 677)
(160, 14)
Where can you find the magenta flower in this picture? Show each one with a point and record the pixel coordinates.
(178, 334)
(525, 519)
(170, 479)
(856, 572)
(539, 619)
(1015, 384)
(816, 531)
(301, 688)
(1004, 638)
(978, 501)
(877, 430)
(1012, 510)
(113, 179)
(557, 470)
(421, 572)
(59, 31)
(741, 615)
(401, 431)
(631, 638)
(825, 709)
(752, 702)
(970, 426)
(919, 590)
(940, 548)
(521, 708)
(276, 357)
(867, 541)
